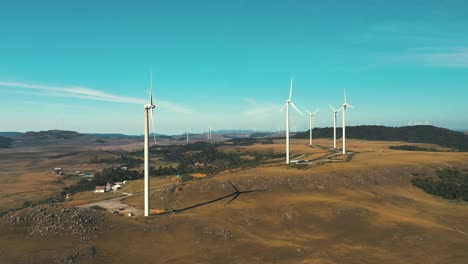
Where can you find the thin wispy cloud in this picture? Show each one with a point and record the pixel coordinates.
(61, 106)
(440, 57)
(89, 94)
(262, 110)
(250, 101)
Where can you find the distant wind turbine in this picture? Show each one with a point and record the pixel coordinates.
(335, 111)
(289, 102)
(345, 105)
(148, 107)
(311, 124)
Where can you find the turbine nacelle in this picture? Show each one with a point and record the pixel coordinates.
(312, 114)
(335, 110)
(346, 105)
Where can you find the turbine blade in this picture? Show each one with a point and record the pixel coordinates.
(334, 110)
(290, 88)
(345, 96)
(151, 88)
(295, 108)
(152, 124)
(350, 106)
(281, 110)
(316, 111)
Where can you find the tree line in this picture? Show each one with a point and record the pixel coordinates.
(414, 134)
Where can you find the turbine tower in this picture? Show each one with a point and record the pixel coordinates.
(148, 107)
(311, 124)
(335, 111)
(345, 105)
(289, 102)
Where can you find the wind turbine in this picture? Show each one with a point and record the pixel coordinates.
(311, 124)
(289, 102)
(148, 107)
(345, 105)
(335, 111)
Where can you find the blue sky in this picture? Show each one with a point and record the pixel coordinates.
(84, 65)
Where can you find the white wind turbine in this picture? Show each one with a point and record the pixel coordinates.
(311, 124)
(148, 107)
(288, 102)
(345, 105)
(335, 111)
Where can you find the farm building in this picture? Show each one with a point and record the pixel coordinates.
(116, 187)
(100, 189)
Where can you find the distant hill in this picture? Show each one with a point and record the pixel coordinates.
(51, 134)
(5, 142)
(10, 134)
(111, 135)
(261, 134)
(414, 134)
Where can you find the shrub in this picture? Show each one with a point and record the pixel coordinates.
(449, 184)
(186, 178)
(97, 207)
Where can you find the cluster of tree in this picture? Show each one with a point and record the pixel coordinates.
(68, 154)
(414, 134)
(203, 157)
(163, 171)
(450, 184)
(412, 148)
(102, 178)
(5, 142)
(124, 160)
(242, 141)
(260, 134)
(55, 198)
(267, 141)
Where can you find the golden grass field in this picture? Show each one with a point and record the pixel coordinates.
(361, 211)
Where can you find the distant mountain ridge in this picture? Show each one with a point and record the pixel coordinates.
(10, 134)
(414, 134)
(52, 134)
(111, 135)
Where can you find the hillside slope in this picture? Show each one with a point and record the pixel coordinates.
(360, 211)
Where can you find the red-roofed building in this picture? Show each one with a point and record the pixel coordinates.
(100, 189)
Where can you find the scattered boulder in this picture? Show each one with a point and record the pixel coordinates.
(82, 224)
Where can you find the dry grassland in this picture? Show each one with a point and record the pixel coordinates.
(361, 211)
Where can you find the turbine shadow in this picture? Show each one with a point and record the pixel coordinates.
(234, 196)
